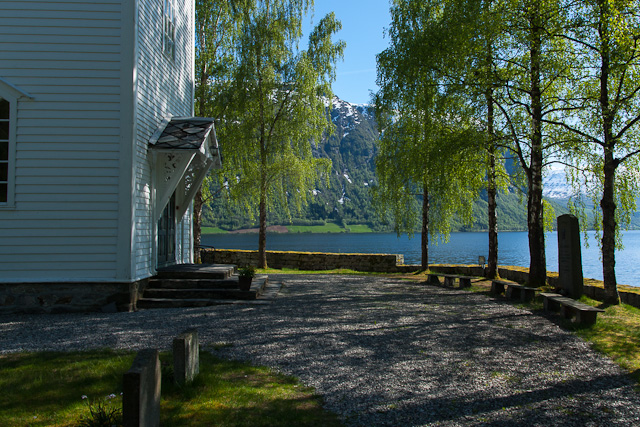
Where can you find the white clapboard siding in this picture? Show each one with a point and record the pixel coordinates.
(164, 89)
(67, 55)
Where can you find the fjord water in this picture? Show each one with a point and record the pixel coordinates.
(462, 248)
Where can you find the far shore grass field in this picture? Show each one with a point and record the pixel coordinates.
(329, 227)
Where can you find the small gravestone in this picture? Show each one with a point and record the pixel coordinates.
(141, 391)
(186, 356)
(569, 256)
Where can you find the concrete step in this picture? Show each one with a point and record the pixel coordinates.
(197, 271)
(201, 297)
(194, 294)
(229, 283)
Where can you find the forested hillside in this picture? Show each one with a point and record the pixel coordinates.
(347, 200)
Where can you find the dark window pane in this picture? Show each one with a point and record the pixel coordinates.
(3, 193)
(4, 150)
(4, 168)
(4, 109)
(4, 130)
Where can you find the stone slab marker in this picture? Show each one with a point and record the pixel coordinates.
(186, 356)
(141, 391)
(569, 256)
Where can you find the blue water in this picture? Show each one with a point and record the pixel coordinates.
(462, 248)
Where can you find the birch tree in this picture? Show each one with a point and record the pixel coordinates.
(279, 109)
(218, 26)
(532, 63)
(603, 115)
(429, 146)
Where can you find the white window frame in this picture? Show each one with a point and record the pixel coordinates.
(169, 28)
(13, 94)
(7, 161)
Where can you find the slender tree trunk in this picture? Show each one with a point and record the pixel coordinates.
(492, 263)
(609, 225)
(197, 201)
(425, 228)
(262, 238)
(607, 203)
(537, 262)
(197, 226)
(262, 235)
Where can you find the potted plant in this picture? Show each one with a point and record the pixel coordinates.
(245, 276)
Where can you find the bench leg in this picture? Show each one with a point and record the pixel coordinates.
(464, 282)
(550, 305)
(527, 295)
(566, 312)
(448, 282)
(497, 288)
(434, 280)
(513, 293)
(586, 318)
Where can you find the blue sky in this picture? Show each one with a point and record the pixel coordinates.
(363, 24)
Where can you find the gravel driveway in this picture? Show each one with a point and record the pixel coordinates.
(382, 352)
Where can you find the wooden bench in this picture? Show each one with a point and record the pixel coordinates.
(513, 290)
(449, 280)
(584, 314)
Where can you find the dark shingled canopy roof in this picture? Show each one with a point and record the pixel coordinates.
(184, 133)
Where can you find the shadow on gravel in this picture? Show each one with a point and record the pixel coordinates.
(475, 405)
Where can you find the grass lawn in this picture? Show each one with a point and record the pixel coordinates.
(47, 389)
(213, 230)
(329, 227)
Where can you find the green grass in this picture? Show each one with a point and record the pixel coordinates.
(327, 228)
(213, 230)
(359, 228)
(47, 388)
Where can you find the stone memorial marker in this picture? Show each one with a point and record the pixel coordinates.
(186, 356)
(141, 391)
(569, 256)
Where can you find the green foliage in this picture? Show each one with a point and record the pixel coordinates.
(248, 271)
(429, 146)
(276, 109)
(102, 413)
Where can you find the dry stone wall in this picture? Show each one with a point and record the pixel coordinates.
(385, 263)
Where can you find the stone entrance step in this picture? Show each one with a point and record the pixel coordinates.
(218, 292)
(198, 285)
(229, 283)
(197, 271)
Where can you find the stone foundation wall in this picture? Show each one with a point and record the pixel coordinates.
(69, 297)
(385, 263)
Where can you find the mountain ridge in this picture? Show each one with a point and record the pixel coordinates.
(347, 200)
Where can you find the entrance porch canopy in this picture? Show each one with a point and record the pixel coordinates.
(185, 149)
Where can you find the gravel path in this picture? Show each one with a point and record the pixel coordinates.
(381, 352)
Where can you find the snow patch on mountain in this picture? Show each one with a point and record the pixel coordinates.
(555, 186)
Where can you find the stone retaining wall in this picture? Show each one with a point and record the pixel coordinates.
(385, 263)
(68, 297)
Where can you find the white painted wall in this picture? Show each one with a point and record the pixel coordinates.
(164, 88)
(83, 182)
(66, 54)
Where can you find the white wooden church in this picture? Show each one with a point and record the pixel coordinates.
(100, 155)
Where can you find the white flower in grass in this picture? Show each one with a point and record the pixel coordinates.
(84, 396)
(111, 396)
